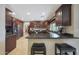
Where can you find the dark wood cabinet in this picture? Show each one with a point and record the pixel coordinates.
(10, 40)
(59, 17)
(66, 14)
(10, 43)
(63, 15)
(39, 24)
(9, 21)
(9, 18)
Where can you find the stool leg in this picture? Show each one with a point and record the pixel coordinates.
(74, 52)
(66, 53)
(55, 51)
(32, 53)
(61, 52)
(44, 52)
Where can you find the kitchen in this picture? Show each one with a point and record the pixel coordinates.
(22, 30)
(39, 29)
(58, 29)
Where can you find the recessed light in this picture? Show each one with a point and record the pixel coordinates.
(43, 13)
(12, 13)
(28, 13)
(60, 13)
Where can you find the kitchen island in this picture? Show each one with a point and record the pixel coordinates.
(49, 41)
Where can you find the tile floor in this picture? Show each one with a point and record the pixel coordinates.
(21, 47)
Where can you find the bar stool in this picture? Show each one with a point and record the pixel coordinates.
(64, 49)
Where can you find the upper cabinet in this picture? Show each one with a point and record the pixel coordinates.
(38, 24)
(63, 15)
(9, 18)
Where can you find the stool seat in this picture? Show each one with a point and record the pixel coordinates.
(38, 48)
(64, 48)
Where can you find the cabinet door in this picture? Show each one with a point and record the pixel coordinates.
(66, 12)
(59, 17)
(9, 20)
(10, 44)
(13, 42)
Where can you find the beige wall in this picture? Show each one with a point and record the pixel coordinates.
(2, 29)
(76, 20)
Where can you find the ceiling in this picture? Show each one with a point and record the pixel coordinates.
(30, 12)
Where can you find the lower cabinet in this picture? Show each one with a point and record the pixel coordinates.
(10, 43)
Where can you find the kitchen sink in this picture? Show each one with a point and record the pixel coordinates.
(54, 35)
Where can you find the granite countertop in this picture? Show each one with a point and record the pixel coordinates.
(48, 36)
(8, 35)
